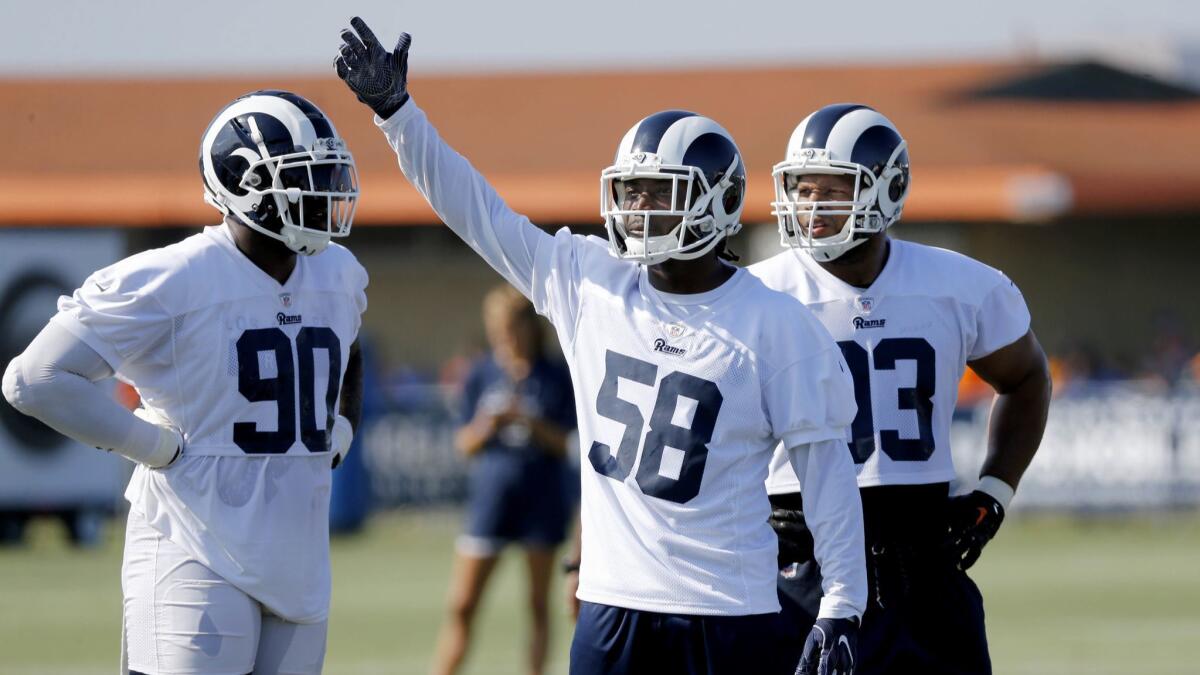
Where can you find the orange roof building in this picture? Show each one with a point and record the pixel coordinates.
(127, 148)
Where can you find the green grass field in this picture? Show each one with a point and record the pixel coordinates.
(1063, 596)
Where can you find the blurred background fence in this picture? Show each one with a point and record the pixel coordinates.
(1109, 446)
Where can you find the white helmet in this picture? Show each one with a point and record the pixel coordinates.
(708, 187)
(842, 139)
(273, 161)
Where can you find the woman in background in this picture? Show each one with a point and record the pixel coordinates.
(518, 410)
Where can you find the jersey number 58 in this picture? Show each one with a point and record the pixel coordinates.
(687, 446)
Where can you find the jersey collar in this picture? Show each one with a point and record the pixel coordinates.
(832, 283)
(224, 238)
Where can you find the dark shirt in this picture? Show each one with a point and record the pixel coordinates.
(546, 394)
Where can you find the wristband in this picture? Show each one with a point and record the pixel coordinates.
(996, 489)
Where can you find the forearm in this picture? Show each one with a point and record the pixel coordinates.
(471, 437)
(54, 381)
(462, 197)
(833, 513)
(1018, 419)
(548, 436)
(350, 405)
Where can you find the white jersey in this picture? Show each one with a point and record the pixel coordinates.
(250, 371)
(906, 339)
(680, 400)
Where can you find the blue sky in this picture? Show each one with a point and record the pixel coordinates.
(131, 37)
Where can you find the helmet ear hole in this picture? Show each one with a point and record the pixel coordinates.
(897, 187)
(252, 178)
(732, 198)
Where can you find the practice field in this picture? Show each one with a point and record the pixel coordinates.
(1118, 595)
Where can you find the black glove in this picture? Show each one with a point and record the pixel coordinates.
(830, 649)
(974, 520)
(795, 540)
(377, 77)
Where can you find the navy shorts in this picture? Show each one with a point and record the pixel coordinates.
(923, 614)
(514, 497)
(618, 641)
(937, 628)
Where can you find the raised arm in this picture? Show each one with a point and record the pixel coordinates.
(459, 195)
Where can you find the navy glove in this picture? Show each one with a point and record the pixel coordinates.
(974, 520)
(830, 649)
(377, 77)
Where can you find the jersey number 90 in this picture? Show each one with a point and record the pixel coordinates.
(282, 388)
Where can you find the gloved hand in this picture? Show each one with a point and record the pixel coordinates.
(170, 441)
(974, 520)
(377, 77)
(342, 437)
(831, 648)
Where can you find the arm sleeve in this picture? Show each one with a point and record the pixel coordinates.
(463, 199)
(1001, 320)
(811, 400)
(120, 311)
(54, 380)
(833, 513)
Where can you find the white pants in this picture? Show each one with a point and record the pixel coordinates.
(181, 618)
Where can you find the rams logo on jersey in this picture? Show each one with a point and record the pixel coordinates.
(660, 345)
(861, 323)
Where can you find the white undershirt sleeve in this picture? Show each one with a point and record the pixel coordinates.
(463, 199)
(833, 511)
(54, 380)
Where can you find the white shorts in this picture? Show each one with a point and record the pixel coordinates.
(180, 617)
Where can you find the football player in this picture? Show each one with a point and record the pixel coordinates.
(687, 371)
(242, 344)
(908, 319)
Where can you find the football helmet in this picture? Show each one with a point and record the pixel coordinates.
(273, 160)
(707, 179)
(842, 139)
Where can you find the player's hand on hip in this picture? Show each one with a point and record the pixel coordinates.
(831, 648)
(378, 78)
(170, 440)
(974, 520)
(342, 437)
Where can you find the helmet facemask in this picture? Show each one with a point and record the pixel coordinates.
(872, 208)
(702, 209)
(315, 192)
